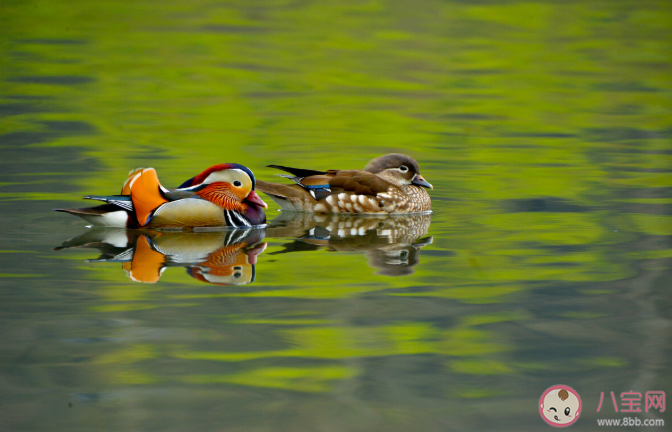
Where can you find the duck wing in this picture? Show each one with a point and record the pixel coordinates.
(357, 182)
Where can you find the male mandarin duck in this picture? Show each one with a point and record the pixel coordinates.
(222, 195)
(388, 184)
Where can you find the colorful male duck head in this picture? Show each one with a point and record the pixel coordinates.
(227, 185)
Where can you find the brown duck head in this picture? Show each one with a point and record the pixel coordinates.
(398, 169)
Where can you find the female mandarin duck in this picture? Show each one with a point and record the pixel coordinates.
(388, 184)
(222, 195)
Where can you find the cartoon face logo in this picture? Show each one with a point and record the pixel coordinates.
(560, 406)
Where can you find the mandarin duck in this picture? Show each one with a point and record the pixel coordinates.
(388, 184)
(222, 195)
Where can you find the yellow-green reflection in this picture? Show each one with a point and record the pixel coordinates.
(544, 127)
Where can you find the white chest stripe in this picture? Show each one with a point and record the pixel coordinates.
(235, 219)
(227, 216)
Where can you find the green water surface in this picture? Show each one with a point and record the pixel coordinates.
(545, 128)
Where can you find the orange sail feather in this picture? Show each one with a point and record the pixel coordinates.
(145, 192)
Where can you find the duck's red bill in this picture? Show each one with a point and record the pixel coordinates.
(254, 198)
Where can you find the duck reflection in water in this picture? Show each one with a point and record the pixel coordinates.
(217, 257)
(228, 257)
(391, 243)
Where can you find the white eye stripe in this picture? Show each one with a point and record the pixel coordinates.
(403, 169)
(228, 176)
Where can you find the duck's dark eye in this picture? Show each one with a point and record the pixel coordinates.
(403, 168)
(552, 408)
(237, 183)
(567, 411)
(237, 275)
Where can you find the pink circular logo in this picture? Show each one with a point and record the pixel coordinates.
(560, 405)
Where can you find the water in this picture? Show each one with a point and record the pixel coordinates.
(544, 128)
